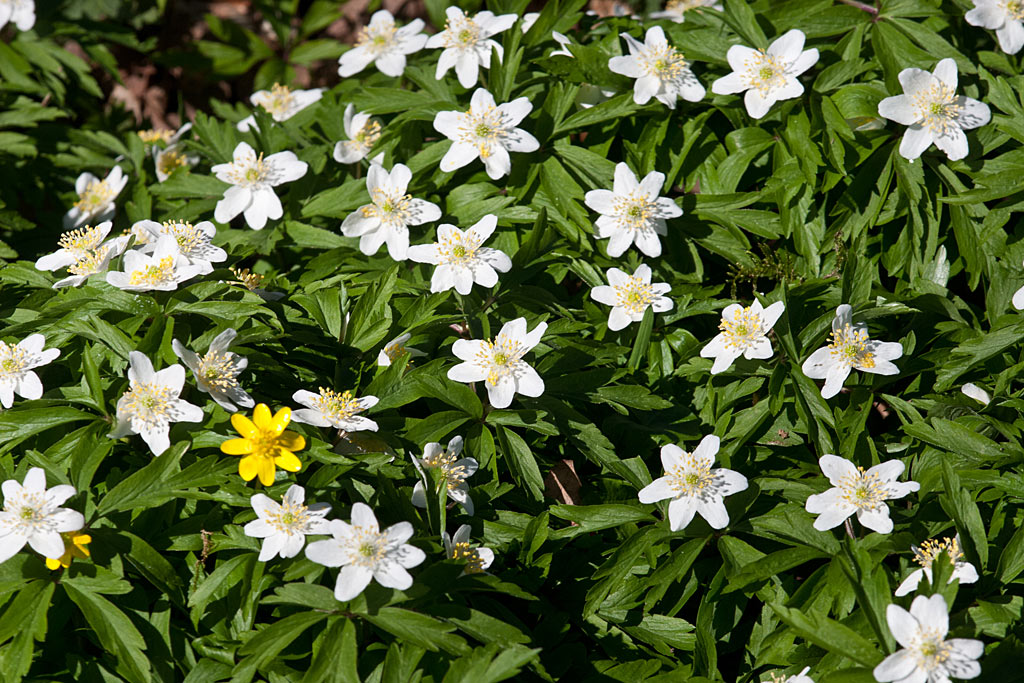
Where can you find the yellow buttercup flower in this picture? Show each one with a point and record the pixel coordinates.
(264, 443)
(75, 543)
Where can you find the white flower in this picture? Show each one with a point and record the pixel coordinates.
(460, 259)
(152, 403)
(193, 241)
(383, 44)
(926, 556)
(856, 490)
(364, 552)
(743, 333)
(934, 112)
(32, 514)
(362, 136)
(692, 486)
(927, 657)
(631, 295)
(93, 262)
(850, 348)
(500, 363)
(528, 20)
(395, 349)
(162, 270)
(485, 131)
(217, 372)
(467, 43)
(972, 390)
(563, 45)
(16, 364)
(284, 526)
(166, 157)
(21, 13)
(330, 409)
(1005, 16)
(632, 212)
(74, 245)
(767, 76)
(661, 72)
(281, 103)
(95, 198)
(454, 471)
(1018, 299)
(676, 9)
(253, 180)
(388, 218)
(458, 547)
(801, 677)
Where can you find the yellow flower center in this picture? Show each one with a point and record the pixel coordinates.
(849, 347)
(690, 476)
(89, 263)
(634, 295)
(863, 490)
(337, 406)
(150, 136)
(368, 135)
(938, 108)
(929, 551)
(170, 160)
(454, 474)
(14, 358)
(743, 330)
(377, 38)
(634, 211)
(470, 555)
(289, 519)
(764, 72)
(664, 62)
(277, 102)
(501, 358)
(461, 33)
(248, 171)
(930, 650)
(82, 239)
(1015, 8)
(250, 281)
(94, 197)
(218, 372)
(161, 272)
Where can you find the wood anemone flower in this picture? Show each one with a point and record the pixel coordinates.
(264, 443)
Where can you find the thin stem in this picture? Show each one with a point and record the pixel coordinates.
(870, 9)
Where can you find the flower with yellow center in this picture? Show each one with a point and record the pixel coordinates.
(458, 547)
(677, 9)
(632, 212)
(154, 135)
(284, 526)
(499, 363)
(460, 259)
(96, 197)
(74, 245)
(860, 491)
(1005, 16)
(383, 43)
(217, 371)
(631, 295)
(264, 444)
(92, 262)
(164, 269)
(693, 486)
(963, 571)
(194, 242)
(331, 409)
(253, 179)
(31, 514)
(767, 76)
(16, 368)
(281, 103)
(467, 43)
(75, 545)
(454, 472)
(850, 349)
(660, 71)
(362, 136)
(926, 654)
(743, 333)
(395, 349)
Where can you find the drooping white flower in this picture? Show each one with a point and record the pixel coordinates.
(74, 244)
(32, 514)
(21, 13)
(331, 409)
(926, 556)
(632, 212)
(152, 403)
(454, 470)
(467, 43)
(284, 526)
(486, 131)
(167, 155)
(365, 552)
(744, 332)
(253, 179)
(1005, 16)
(460, 258)
(92, 262)
(767, 76)
(95, 198)
(281, 103)
(676, 10)
(217, 371)
(458, 547)
(193, 241)
(927, 657)
(801, 677)
(631, 295)
(499, 363)
(850, 349)
(972, 390)
(860, 491)
(382, 43)
(395, 349)
(660, 70)
(162, 270)
(387, 219)
(692, 486)
(934, 112)
(16, 368)
(362, 136)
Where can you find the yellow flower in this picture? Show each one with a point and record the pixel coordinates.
(76, 548)
(264, 443)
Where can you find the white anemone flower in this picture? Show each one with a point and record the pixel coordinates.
(217, 371)
(675, 10)
(486, 131)
(253, 179)
(801, 677)
(964, 572)
(17, 362)
(284, 526)
(692, 486)
(21, 13)
(167, 156)
(499, 363)
(660, 71)
(331, 409)
(632, 212)
(152, 403)
(744, 332)
(95, 198)
(631, 295)
(927, 657)
(384, 44)
(387, 219)
(395, 349)
(194, 241)
(74, 244)
(934, 112)
(92, 263)
(767, 76)
(850, 349)
(281, 103)
(460, 258)
(860, 491)
(467, 43)
(32, 515)
(458, 547)
(1005, 16)
(364, 552)
(362, 136)
(162, 270)
(454, 471)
